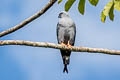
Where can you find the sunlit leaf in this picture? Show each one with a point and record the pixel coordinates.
(107, 8)
(68, 4)
(117, 5)
(103, 17)
(94, 2)
(108, 11)
(81, 6)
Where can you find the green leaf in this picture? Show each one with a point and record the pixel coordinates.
(111, 13)
(108, 11)
(117, 4)
(60, 1)
(107, 8)
(81, 6)
(103, 17)
(94, 2)
(68, 4)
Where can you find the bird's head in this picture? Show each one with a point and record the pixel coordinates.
(63, 14)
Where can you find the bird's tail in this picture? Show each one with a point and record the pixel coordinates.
(66, 60)
(65, 68)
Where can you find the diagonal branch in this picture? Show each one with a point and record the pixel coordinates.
(30, 19)
(58, 46)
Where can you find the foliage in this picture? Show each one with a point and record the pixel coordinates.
(68, 4)
(94, 2)
(59, 1)
(107, 11)
(81, 6)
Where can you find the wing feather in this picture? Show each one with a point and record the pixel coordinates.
(60, 33)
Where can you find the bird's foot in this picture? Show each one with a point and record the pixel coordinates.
(63, 44)
(68, 45)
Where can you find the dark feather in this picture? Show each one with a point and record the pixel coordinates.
(65, 68)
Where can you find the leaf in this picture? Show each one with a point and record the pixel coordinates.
(108, 11)
(117, 4)
(68, 4)
(107, 8)
(111, 13)
(81, 6)
(94, 2)
(103, 17)
(60, 1)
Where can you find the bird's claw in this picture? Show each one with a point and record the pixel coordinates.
(63, 44)
(68, 45)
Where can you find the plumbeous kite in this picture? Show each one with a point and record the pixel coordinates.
(66, 32)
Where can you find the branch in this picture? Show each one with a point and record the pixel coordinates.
(30, 19)
(58, 46)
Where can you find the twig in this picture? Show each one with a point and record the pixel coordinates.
(30, 19)
(58, 46)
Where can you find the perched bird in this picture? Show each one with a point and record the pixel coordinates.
(66, 32)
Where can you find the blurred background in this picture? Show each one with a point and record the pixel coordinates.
(30, 63)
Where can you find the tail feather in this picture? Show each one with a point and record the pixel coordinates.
(66, 59)
(65, 68)
(66, 62)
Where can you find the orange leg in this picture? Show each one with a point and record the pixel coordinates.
(63, 44)
(69, 44)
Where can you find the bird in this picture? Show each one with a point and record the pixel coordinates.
(66, 33)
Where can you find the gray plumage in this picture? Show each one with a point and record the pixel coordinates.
(66, 31)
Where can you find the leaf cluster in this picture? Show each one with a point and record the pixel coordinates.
(107, 11)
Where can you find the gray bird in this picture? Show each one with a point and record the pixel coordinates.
(66, 32)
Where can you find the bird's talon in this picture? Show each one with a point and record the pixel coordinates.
(68, 45)
(63, 44)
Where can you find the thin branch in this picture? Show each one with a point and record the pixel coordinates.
(30, 19)
(58, 46)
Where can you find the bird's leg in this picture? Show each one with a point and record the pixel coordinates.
(63, 44)
(69, 44)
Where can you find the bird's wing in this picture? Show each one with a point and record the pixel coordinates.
(60, 33)
(72, 32)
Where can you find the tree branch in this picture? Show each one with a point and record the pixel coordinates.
(58, 46)
(30, 19)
